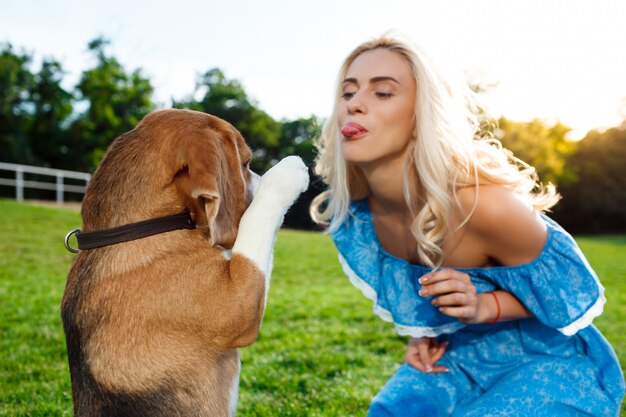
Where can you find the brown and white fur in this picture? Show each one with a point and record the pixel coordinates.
(153, 325)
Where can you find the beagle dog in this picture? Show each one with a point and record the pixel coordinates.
(152, 325)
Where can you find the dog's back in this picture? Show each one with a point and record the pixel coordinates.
(148, 324)
(135, 342)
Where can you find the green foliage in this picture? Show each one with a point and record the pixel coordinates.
(321, 352)
(544, 147)
(16, 84)
(227, 99)
(116, 101)
(270, 140)
(296, 138)
(40, 125)
(589, 173)
(35, 115)
(52, 107)
(596, 201)
(33, 107)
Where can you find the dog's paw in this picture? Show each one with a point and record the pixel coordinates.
(285, 181)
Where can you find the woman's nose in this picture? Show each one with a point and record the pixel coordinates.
(356, 104)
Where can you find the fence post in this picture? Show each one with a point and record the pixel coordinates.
(19, 184)
(59, 188)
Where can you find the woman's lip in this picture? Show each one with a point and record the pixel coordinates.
(356, 136)
(353, 131)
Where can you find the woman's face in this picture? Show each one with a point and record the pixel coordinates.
(376, 111)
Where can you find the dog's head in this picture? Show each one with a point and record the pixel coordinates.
(173, 160)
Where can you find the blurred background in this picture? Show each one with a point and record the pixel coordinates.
(552, 74)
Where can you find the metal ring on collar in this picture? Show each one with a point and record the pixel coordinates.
(67, 240)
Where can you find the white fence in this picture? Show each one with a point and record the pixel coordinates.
(59, 184)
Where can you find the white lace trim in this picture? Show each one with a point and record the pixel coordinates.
(594, 311)
(403, 330)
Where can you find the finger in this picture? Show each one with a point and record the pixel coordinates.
(435, 351)
(465, 313)
(446, 287)
(443, 275)
(457, 299)
(415, 362)
(412, 355)
(439, 370)
(411, 350)
(434, 347)
(438, 354)
(425, 356)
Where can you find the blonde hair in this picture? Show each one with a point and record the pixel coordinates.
(449, 153)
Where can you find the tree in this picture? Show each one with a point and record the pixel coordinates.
(296, 138)
(116, 101)
(270, 140)
(227, 99)
(595, 201)
(16, 84)
(52, 107)
(544, 147)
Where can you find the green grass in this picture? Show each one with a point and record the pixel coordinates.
(321, 352)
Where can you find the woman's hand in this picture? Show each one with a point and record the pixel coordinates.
(455, 295)
(424, 352)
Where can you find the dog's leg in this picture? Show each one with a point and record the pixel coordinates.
(234, 392)
(277, 191)
(252, 251)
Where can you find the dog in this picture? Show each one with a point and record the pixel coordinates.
(152, 325)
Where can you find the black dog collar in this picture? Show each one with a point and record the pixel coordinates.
(132, 231)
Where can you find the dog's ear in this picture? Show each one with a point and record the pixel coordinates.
(204, 163)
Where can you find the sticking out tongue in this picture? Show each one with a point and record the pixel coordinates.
(350, 130)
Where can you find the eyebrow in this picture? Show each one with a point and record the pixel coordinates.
(372, 80)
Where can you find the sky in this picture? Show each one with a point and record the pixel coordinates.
(556, 60)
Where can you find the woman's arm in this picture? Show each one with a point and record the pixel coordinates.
(509, 233)
(455, 295)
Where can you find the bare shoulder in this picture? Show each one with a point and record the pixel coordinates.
(511, 230)
(493, 205)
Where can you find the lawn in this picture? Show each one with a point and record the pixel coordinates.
(321, 351)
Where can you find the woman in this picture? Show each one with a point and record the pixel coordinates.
(444, 232)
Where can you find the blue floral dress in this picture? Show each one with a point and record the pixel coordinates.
(553, 364)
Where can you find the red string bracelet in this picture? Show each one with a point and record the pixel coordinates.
(494, 321)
